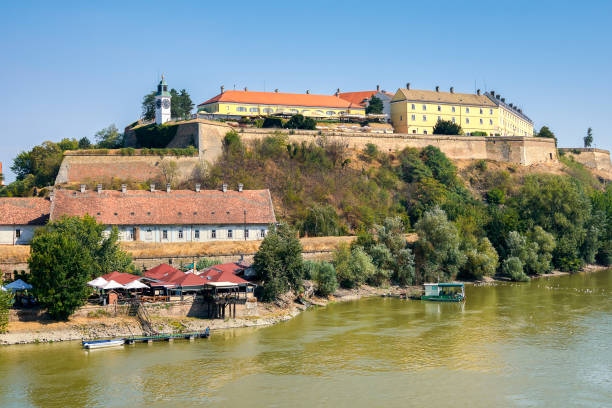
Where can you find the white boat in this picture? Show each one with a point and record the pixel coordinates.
(103, 343)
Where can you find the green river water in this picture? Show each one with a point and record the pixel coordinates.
(547, 343)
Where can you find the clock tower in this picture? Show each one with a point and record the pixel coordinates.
(162, 103)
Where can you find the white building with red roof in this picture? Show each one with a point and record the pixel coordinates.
(172, 215)
(363, 98)
(20, 217)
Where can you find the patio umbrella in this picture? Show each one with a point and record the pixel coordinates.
(98, 282)
(111, 284)
(2, 288)
(18, 285)
(135, 285)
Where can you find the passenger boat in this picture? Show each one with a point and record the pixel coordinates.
(95, 344)
(444, 292)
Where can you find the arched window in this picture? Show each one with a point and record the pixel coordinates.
(268, 110)
(241, 109)
(318, 113)
(294, 111)
(330, 113)
(254, 110)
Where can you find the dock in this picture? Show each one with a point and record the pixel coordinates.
(167, 337)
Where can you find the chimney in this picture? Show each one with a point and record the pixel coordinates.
(437, 89)
(83, 188)
(499, 96)
(502, 99)
(492, 93)
(478, 92)
(152, 188)
(512, 106)
(308, 92)
(222, 89)
(276, 90)
(198, 188)
(167, 187)
(377, 88)
(337, 91)
(246, 89)
(452, 89)
(240, 187)
(408, 85)
(99, 188)
(124, 188)
(224, 188)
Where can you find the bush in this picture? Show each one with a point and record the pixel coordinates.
(479, 133)
(6, 301)
(321, 221)
(480, 261)
(496, 196)
(513, 268)
(446, 127)
(324, 275)
(155, 135)
(272, 122)
(300, 122)
(371, 151)
(353, 267)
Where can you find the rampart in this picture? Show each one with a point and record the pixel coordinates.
(208, 136)
(594, 158)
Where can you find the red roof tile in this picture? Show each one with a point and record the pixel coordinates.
(358, 98)
(179, 207)
(278, 98)
(160, 271)
(24, 211)
(169, 276)
(119, 277)
(223, 273)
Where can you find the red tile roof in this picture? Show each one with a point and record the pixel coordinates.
(223, 273)
(179, 207)
(160, 271)
(119, 277)
(169, 276)
(278, 98)
(24, 211)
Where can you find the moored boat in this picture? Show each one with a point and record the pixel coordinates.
(95, 344)
(444, 292)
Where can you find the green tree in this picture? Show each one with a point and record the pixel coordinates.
(6, 301)
(438, 256)
(278, 263)
(321, 221)
(354, 266)
(588, 139)
(148, 106)
(109, 137)
(181, 104)
(68, 144)
(446, 127)
(546, 132)
(300, 122)
(375, 105)
(65, 255)
(84, 143)
(513, 268)
(42, 162)
(324, 275)
(482, 260)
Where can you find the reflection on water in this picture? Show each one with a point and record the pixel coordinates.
(543, 343)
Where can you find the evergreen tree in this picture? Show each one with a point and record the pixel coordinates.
(588, 139)
(447, 127)
(375, 105)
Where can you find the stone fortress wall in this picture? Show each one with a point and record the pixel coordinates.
(208, 137)
(594, 158)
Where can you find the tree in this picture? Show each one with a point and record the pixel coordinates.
(169, 169)
(84, 143)
(148, 106)
(354, 266)
(588, 139)
(278, 263)
(446, 127)
(109, 137)
(546, 132)
(43, 162)
(300, 122)
(181, 105)
(65, 255)
(375, 105)
(480, 261)
(438, 257)
(321, 221)
(324, 275)
(6, 301)
(513, 268)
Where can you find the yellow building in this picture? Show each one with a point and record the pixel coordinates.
(418, 111)
(250, 103)
(511, 119)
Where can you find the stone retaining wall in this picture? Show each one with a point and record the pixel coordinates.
(598, 159)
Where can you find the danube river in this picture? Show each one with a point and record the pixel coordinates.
(547, 343)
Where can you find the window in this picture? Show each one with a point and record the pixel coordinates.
(424, 118)
(268, 110)
(305, 111)
(490, 111)
(439, 117)
(131, 234)
(424, 132)
(439, 108)
(180, 234)
(318, 113)
(197, 234)
(295, 111)
(213, 234)
(254, 110)
(413, 106)
(481, 111)
(467, 110)
(230, 233)
(490, 121)
(331, 113)
(149, 234)
(424, 107)
(467, 120)
(413, 117)
(241, 109)
(246, 233)
(453, 108)
(453, 119)
(165, 234)
(481, 121)
(17, 233)
(413, 130)
(262, 233)
(401, 118)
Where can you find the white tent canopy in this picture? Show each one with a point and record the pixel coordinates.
(111, 284)
(135, 285)
(18, 285)
(98, 282)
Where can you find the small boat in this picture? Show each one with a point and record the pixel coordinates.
(444, 292)
(103, 343)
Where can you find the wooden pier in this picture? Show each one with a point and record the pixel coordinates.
(167, 337)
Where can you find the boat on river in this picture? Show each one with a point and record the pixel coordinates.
(444, 292)
(95, 344)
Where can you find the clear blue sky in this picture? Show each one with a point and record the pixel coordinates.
(69, 69)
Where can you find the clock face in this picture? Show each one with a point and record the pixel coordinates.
(166, 103)
(158, 103)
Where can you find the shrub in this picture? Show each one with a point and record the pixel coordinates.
(479, 133)
(496, 196)
(325, 278)
(513, 268)
(353, 267)
(155, 135)
(6, 301)
(446, 127)
(371, 151)
(272, 122)
(321, 221)
(300, 122)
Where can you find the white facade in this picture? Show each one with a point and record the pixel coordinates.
(162, 109)
(191, 233)
(17, 234)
